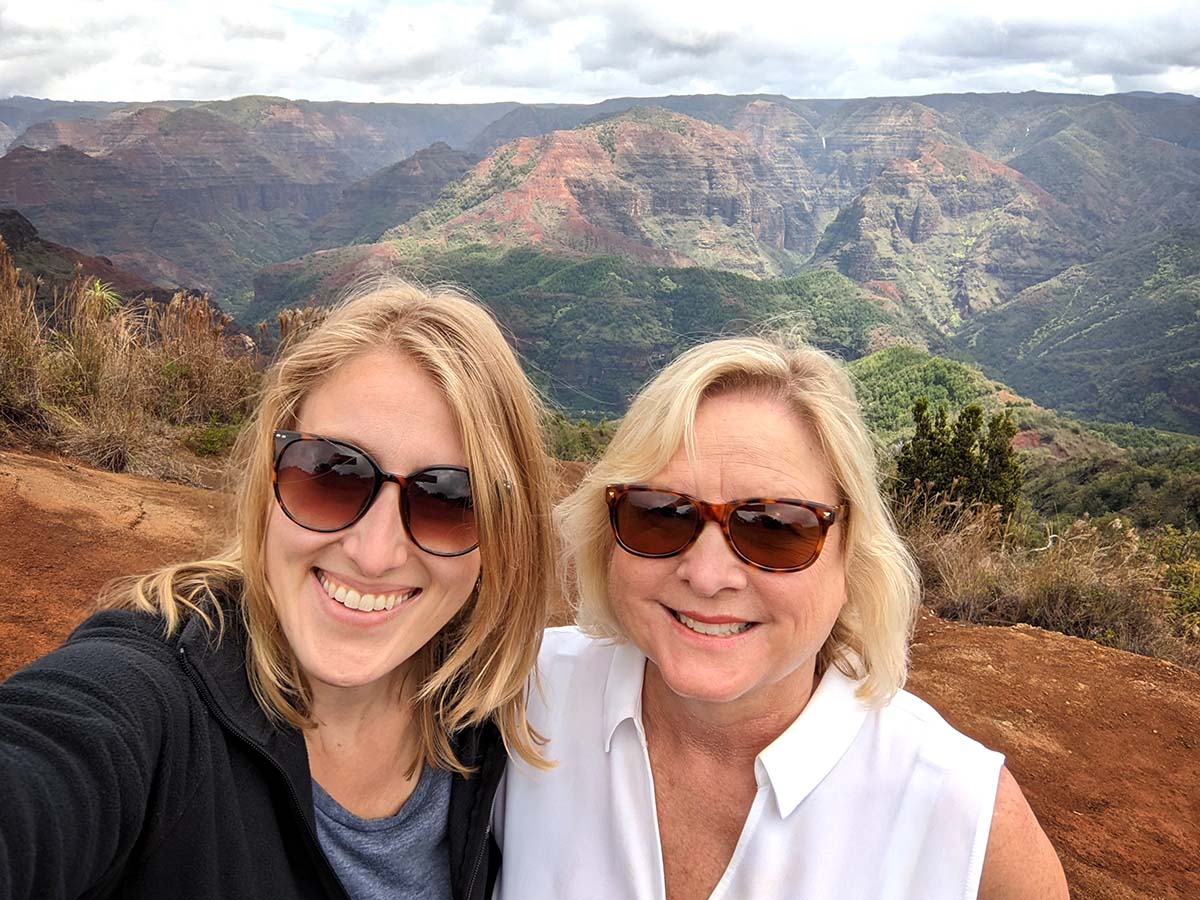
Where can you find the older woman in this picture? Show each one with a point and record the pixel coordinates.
(321, 711)
(730, 723)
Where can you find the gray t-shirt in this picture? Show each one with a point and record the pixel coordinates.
(394, 858)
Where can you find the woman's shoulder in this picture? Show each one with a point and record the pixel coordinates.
(573, 671)
(913, 728)
(116, 634)
(570, 646)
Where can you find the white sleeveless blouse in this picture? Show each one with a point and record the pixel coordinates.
(852, 803)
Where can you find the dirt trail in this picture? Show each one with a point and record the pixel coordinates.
(1106, 744)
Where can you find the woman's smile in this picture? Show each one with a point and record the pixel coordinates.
(723, 627)
(364, 600)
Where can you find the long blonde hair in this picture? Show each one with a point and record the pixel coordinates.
(478, 665)
(870, 638)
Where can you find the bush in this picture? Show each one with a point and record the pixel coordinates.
(120, 385)
(959, 460)
(577, 439)
(1097, 579)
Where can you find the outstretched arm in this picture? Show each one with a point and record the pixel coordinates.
(82, 738)
(1020, 863)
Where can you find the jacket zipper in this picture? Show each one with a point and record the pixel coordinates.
(482, 849)
(245, 739)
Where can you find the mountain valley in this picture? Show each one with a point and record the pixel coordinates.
(1025, 231)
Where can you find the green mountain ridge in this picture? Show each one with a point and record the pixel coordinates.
(1115, 340)
(593, 330)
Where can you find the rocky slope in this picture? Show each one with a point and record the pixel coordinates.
(369, 207)
(52, 265)
(19, 113)
(205, 195)
(661, 186)
(1104, 743)
(952, 232)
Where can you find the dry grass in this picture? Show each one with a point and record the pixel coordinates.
(119, 385)
(1094, 580)
(21, 348)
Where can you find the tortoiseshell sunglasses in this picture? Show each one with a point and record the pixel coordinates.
(776, 535)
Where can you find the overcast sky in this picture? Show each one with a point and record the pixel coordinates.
(449, 51)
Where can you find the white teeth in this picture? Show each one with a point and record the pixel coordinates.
(723, 630)
(352, 599)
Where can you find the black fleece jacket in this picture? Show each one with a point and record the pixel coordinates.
(140, 766)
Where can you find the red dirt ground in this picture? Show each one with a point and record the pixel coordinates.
(1106, 744)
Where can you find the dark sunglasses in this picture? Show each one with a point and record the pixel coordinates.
(775, 535)
(327, 485)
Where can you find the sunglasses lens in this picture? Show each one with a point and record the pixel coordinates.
(776, 535)
(441, 514)
(323, 486)
(654, 523)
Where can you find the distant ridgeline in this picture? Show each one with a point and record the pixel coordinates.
(1053, 239)
(593, 330)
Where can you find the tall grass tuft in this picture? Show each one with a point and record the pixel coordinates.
(1096, 579)
(195, 377)
(123, 386)
(21, 348)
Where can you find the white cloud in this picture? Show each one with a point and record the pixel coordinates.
(586, 50)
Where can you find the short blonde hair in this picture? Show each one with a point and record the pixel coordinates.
(871, 636)
(478, 665)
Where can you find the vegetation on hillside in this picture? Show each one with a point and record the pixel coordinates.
(986, 557)
(593, 330)
(1100, 579)
(891, 381)
(1117, 340)
(119, 385)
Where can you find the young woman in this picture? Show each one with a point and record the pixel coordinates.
(322, 710)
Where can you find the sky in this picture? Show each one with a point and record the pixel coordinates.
(466, 51)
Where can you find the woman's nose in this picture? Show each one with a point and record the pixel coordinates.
(378, 542)
(710, 566)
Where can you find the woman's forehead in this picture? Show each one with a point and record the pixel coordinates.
(744, 444)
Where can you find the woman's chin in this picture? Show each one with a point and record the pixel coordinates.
(696, 683)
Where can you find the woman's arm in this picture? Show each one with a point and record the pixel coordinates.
(1020, 863)
(82, 774)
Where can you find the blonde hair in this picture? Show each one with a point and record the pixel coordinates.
(871, 636)
(478, 665)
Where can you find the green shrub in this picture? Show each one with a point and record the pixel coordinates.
(959, 459)
(213, 439)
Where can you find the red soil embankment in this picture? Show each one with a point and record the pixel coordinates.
(1106, 744)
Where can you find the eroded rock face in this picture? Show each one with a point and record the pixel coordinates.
(753, 195)
(16, 231)
(369, 207)
(205, 195)
(961, 232)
